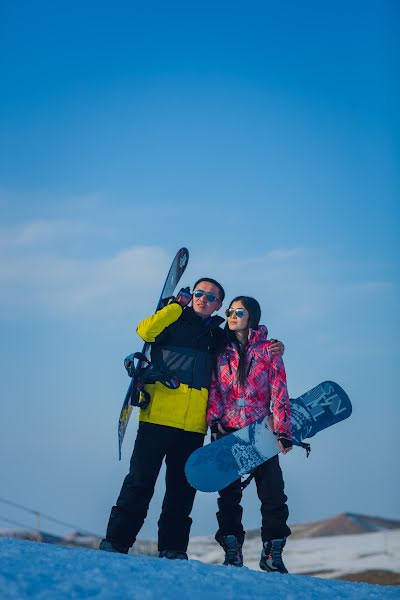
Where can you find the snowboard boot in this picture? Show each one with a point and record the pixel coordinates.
(271, 556)
(109, 547)
(173, 555)
(233, 551)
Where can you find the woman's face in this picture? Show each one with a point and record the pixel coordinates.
(235, 322)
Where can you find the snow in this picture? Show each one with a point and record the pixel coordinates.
(43, 571)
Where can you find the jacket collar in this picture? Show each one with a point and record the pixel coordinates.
(210, 323)
(255, 336)
(258, 335)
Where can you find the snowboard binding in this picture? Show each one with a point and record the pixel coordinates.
(143, 373)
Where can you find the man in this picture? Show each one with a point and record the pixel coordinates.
(184, 342)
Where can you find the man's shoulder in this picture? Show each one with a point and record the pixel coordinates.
(216, 322)
(211, 323)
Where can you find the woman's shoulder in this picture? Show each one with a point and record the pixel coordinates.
(260, 342)
(258, 336)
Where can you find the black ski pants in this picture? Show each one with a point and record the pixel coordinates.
(153, 444)
(274, 510)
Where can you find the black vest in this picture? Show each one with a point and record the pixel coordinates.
(188, 348)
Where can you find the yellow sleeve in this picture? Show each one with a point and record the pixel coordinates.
(150, 328)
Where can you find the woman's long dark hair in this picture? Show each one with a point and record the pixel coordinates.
(254, 310)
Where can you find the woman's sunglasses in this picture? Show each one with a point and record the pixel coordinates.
(209, 296)
(239, 312)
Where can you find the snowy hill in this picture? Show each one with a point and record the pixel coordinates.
(327, 557)
(47, 572)
(346, 546)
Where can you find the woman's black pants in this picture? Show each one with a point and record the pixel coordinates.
(274, 510)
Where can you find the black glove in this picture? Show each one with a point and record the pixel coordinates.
(165, 301)
(183, 297)
(214, 428)
(285, 442)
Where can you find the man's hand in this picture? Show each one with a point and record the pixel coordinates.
(221, 430)
(184, 296)
(277, 347)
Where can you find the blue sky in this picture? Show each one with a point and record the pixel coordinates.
(263, 137)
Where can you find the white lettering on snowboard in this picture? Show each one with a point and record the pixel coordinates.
(326, 399)
(183, 260)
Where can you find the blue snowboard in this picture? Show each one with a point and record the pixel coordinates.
(218, 464)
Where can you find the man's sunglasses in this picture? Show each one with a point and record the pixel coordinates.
(239, 312)
(209, 296)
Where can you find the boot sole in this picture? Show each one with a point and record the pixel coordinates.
(269, 570)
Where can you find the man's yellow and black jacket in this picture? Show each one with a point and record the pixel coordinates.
(185, 345)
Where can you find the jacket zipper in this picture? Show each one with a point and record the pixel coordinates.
(250, 365)
(229, 363)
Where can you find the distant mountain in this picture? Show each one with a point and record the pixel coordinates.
(343, 524)
(74, 539)
(32, 535)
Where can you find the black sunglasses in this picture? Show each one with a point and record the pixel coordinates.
(209, 296)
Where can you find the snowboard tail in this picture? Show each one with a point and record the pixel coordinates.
(323, 406)
(222, 462)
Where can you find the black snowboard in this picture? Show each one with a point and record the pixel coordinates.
(176, 271)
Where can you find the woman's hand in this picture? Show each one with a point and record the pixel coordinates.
(270, 421)
(284, 445)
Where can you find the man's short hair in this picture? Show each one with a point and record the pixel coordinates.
(214, 282)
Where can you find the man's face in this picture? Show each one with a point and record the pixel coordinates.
(203, 306)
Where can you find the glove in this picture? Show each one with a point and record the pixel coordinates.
(215, 432)
(165, 301)
(183, 297)
(285, 442)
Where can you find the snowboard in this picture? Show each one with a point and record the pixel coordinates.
(216, 465)
(175, 272)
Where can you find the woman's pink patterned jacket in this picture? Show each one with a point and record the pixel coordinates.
(265, 390)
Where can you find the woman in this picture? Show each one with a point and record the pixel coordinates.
(250, 383)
